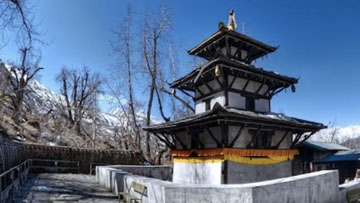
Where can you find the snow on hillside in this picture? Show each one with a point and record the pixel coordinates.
(41, 100)
(341, 134)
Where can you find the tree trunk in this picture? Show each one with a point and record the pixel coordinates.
(148, 118)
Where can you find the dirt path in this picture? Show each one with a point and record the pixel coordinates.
(63, 188)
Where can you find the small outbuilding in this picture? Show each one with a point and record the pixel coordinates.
(347, 162)
(310, 151)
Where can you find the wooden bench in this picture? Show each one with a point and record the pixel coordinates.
(353, 195)
(129, 198)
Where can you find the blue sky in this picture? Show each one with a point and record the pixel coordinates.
(319, 43)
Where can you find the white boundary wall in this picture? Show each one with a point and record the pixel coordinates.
(197, 173)
(321, 186)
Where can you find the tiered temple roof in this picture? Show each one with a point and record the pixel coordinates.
(222, 38)
(205, 73)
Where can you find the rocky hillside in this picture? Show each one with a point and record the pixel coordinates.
(43, 121)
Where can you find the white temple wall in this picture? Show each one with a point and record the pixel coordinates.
(262, 105)
(197, 173)
(236, 100)
(218, 98)
(200, 105)
(239, 102)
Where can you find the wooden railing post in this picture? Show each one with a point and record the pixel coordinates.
(1, 189)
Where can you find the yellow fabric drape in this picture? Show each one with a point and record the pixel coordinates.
(234, 151)
(258, 160)
(244, 156)
(198, 160)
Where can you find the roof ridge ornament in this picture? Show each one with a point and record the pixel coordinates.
(232, 21)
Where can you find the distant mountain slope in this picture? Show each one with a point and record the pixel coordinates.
(348, 136)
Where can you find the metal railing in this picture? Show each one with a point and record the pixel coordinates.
(57, 166)
(11, 179)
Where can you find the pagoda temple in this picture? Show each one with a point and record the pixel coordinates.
(233, 137)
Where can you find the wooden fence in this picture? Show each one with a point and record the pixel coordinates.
(11, 179)
(12, 154)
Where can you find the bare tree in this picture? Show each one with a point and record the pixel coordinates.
(79, 91)
(124, 48)
(153, 32)
(157, 49)
(157, 63)
(19, 80)
(334, 130)
(17, 15)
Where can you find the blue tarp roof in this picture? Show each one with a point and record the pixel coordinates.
(352, 155)
(324, 146)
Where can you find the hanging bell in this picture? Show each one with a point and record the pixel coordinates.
(217, 71)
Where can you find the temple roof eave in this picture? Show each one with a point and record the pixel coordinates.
(220, 33)
(241, 117)
(241, 67)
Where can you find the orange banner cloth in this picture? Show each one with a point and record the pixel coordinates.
(233, 151)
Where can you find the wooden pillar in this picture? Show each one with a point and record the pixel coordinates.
(226, 86)
(224, 134)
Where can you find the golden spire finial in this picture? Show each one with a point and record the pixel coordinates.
(232, 22)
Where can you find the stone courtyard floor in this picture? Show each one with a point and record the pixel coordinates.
(52, 187)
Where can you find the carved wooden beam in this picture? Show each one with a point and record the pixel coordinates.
(167, 139)
(254, 137)
(277, 91)
(237, 136)
(233, 80)
(217, 79)
(249, 94)
(237, 54)
(296, 140)
(228, 50)
(196, 139)
(180, 141)
(212, 136)
(307, 137)
(226, 86)
(262, 84)
(206, 84)
(224, 134)
(200, 92)
(187, 94)
(248, 58)
(282, 139)
(164, 141)
(246, 84)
